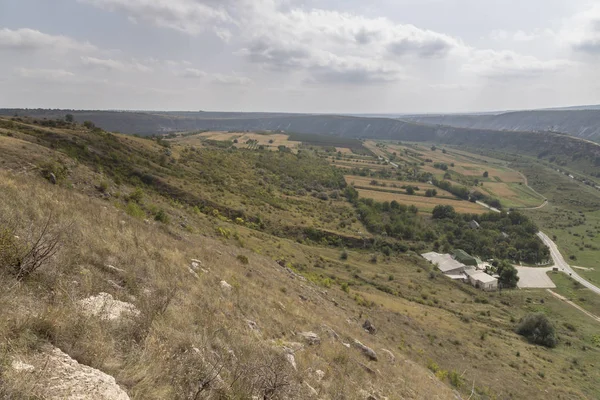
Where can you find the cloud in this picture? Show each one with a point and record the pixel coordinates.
(510, 65)
(192, 73)
(25, 39)
(581, 33)
(501, 35)
(44, 74)
(221, 79)
(114, 65)
(188, 16)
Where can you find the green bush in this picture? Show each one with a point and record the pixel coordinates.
(161, 216)
(134, 210)
(538, 329)
(243, 259)
(137, 196)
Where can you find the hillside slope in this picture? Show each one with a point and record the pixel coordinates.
(564, 151)
(584, 124)
(230, 305)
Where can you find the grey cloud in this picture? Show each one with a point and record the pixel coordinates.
(281, 56)
(425, 47)
(29, 39)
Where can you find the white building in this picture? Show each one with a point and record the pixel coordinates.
(481, 280)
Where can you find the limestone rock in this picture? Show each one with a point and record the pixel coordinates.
(226, 287)
(106, 307)
(367, 351)
(59, 377)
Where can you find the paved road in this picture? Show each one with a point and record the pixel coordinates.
(562, 265)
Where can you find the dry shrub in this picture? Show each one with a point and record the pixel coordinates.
(23, 256)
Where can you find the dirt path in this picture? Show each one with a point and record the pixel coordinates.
(589, 314)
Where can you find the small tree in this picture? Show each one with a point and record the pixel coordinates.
(508, 275)
(69, 118)
(538, 329)
(410, 190)
(89, 124)
(486, 174)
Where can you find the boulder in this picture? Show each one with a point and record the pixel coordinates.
(369, 327)
(319, 375)
(367, 351)
(52, 178)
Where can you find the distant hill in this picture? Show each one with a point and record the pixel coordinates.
(582, 123)
(563, 150)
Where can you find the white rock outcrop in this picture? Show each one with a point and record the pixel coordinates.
(106, 307)
(59, 377)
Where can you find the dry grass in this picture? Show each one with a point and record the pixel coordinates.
(344, 150)
(423, 203)
(153, 356)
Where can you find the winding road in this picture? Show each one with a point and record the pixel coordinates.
(561, 264)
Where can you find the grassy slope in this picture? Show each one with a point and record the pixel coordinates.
(421, 317)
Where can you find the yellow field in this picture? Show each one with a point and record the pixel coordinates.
(423, 203)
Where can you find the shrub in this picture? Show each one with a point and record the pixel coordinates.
(242, 258)
(455, 379)
(161, 216)
(137, 196)
(22, 257)
(58, 169)
(538, 329)
(344, 255)
(134, 210)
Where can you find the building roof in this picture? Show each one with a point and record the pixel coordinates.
(481, 276)
(445, 262)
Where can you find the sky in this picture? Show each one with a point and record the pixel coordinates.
(316, 56)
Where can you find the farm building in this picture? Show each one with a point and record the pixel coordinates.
(481, 280)
(465, 258)
(447, 264)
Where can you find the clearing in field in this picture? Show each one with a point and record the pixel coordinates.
(423, 203)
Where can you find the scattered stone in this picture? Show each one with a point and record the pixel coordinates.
(303, 298)
(22, 367)
(252, 325)
(346, 344)
(292, 347)
(226, 287)
(106, 307)
(193, 273)
(310, 337)
(369, 327)
(367, 351)
(196, 264)
(292, 360)
(320, 375)
(367, 368)
(391, 355)
(52, 178)
(112, 268)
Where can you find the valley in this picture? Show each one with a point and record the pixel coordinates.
(310, 234)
